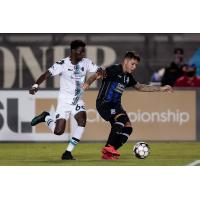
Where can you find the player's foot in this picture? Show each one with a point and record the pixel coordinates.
(110, 149)
(40, 118)
(109, 156)
(67, 155)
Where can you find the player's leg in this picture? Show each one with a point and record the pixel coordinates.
(118, 122)
(39, 118)
(108, 112)
(61, 123)
(79, 114)
(78, 131)
(124, 135)
(57, 124)
(60, 126)
(57, 127)
(114, 139)
(59, 130)
(120, 131)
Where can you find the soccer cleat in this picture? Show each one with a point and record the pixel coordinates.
(109, 156)
(67, 155)
(40, 118)
(110, 149)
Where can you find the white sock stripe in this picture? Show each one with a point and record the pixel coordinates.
(77, 140)
(119, 123)
(49, 121)
(48, 117)
(74, 142)
(76, 136)
(125, 134)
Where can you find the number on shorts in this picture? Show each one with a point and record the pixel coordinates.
(79, 107)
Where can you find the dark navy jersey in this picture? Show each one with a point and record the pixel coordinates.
(114, 84)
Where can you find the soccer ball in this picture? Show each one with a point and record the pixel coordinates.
(141, 150)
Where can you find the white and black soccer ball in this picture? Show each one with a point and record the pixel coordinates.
(141, 150)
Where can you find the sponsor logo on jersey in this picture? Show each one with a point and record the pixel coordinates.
(120, 88)
(76, 77)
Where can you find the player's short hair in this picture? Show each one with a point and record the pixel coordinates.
(76, 44)
(132, 55)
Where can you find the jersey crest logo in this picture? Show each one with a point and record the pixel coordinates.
(113, 111)
(127, 80)
(76, 67)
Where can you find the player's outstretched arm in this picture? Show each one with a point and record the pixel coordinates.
(99, 74)
(90, 80)
(42, 78)
(150, 88)
(166, 88)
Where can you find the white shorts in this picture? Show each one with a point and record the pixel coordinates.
(64, 110)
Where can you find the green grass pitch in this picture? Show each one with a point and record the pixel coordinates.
(88, 154)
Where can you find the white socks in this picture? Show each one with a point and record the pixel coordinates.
(76, 136)
(78, 132)
(50, 122)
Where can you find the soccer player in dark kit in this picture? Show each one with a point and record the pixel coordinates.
(108, 103)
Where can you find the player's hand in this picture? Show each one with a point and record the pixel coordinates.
(101, 73)
(34, 89)
(166, 88)
(85, 86)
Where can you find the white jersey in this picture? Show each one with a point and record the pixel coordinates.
(72, 77)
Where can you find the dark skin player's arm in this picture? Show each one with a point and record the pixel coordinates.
(99, 74)
(89, 81)
(40, 80)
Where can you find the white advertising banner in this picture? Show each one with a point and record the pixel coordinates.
(17, 108)
(154, 116)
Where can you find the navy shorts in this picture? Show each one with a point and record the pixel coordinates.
(109, 110)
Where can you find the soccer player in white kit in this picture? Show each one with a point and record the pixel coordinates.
(72, 71)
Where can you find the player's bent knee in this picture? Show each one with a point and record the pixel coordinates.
(81, 123)
(58, 131)
(117, 128)
(128, 130)
(119, 122)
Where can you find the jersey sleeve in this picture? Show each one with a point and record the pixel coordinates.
(132, 81)
(92, 67)
(56, 68)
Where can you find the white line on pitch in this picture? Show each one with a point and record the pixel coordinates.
(196, 162)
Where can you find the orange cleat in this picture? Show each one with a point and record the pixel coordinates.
(109, 156)
(110, 149)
